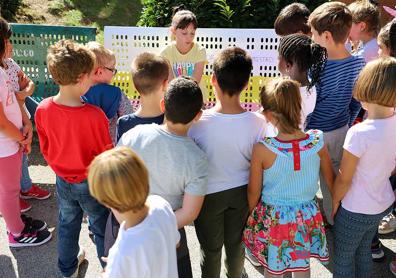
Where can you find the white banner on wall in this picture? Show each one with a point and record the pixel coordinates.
(261, 44)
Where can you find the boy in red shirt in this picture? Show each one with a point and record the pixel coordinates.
(71, 134)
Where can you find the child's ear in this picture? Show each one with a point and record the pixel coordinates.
(98, 71)
(198, 116)
(164, 85)
(213, 80)
(172, 30)
(162, 105)
(362, 26)
(328, 36)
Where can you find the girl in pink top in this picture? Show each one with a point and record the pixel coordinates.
(362, 193)
(22, 231)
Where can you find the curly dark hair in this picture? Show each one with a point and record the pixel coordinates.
(309, 56)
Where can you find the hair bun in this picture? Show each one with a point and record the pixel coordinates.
(179, 8)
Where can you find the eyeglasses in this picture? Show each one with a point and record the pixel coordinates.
(114, 71)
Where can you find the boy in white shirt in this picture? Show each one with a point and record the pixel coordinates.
(147, 239)
(226, 133)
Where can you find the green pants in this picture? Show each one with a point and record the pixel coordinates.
(221, 222)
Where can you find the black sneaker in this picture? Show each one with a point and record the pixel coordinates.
(36, 224)
(29, 237)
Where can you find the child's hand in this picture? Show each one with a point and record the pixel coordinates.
(27, 132)
(27, 148)
(336, 205)
(23, 80)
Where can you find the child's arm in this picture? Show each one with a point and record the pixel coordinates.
(256, 176)
(27, 131)
(354, 108)
(198, 71)
(344, 178)
(326, 168)
(125, 106)
(192, 205)
(26, 85)
(8, 128)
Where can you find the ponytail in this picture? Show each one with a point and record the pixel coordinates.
(179, 8)
(283, 99)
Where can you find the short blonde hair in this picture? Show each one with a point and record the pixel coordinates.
(377, 83)
(103, 55)
(67, 61)
(283, 99)
(334, 17)
(364, 11)
(119, 179)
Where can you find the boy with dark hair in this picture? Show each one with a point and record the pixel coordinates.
(150, 76)
(71, 134)
(177, 168)
(335, 108)
(226, 133)
(293, 19)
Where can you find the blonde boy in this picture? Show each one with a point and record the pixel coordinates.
(109, 98)
(147, 239)
(71, 134)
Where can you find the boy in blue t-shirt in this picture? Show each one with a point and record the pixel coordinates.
(150, 77)
(335, 108)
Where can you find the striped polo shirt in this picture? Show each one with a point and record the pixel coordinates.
(335, 106)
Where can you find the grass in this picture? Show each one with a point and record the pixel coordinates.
(95, 13)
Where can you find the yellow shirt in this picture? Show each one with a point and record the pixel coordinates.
(184, 64)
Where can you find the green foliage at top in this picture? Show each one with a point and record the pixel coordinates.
(220, 13)
(8, 8)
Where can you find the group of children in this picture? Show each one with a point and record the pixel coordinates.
(247, 180)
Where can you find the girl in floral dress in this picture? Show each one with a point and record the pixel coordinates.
(285, 227)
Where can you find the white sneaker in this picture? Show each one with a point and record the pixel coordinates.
(252, 259)
(387, 224)
(80, 258)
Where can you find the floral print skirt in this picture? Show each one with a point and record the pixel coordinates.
(284, 238)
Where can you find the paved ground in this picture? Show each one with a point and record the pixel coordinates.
(37, 262)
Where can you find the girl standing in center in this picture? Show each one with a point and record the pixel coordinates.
(285, 227)
(186, 57)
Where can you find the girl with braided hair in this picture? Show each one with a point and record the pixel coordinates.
(302, 60)
(285, 227)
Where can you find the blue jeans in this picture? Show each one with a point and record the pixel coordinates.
(26, 181)
(74, 199)
(353, 233)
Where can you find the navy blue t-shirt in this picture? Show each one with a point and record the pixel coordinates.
(127, 122)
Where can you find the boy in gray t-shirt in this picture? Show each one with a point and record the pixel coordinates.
(177, 167)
